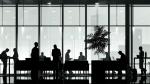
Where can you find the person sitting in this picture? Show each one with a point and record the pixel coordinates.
(107, 57)
(141, 60)
(122, 61)
(67, 56)
(123, 58)
(82, 57)
(42, 56)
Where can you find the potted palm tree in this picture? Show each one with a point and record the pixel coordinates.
(98, 41)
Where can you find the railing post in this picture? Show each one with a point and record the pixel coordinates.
(9, 70)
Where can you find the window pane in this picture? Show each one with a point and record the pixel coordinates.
(97, 15)
(29, 14)
(9, 15)
(74, 40)
(7, 39)
(49, 37)
(0, 15)
(117, 15)
(141, 15)
(74, 16)
(91, 16)
(103, 15)
(26, 38)
(51, 15)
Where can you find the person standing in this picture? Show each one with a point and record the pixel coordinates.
(4, 58)
(15, 55)
(57, 60)
(122, 61)
(141, 60)
(35, 63)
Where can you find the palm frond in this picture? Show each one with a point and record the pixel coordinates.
(98, 40)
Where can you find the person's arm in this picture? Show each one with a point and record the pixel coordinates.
(52, 53)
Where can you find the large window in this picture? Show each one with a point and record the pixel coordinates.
(7, 39)
(140, 39)
(74, 40)
(117, 41)
(26, 38)
(49, 37)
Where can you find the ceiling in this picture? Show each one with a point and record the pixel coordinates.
(75, 1)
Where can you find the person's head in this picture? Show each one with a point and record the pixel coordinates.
(36, 44)
(80, 53)
(106, 53)
(55, 46)
(68, 50)
(7, 50)
(14, 49)
(120, 52)
(140, 48)
(42, 53)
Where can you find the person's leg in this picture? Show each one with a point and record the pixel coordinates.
(5, 71)
(141, 67)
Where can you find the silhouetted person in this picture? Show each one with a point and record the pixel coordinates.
(15, 55)
(15, 58)
(122, 61)
(42, 56)
(82, 57)
(35, 63)
(67, 58)
(4, 58)
(141, 60)
(57, 60)
(41, 59)
(107, 57)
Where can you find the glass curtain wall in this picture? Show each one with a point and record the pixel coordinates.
(98, 15)
(141, 29)
(74, 28)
